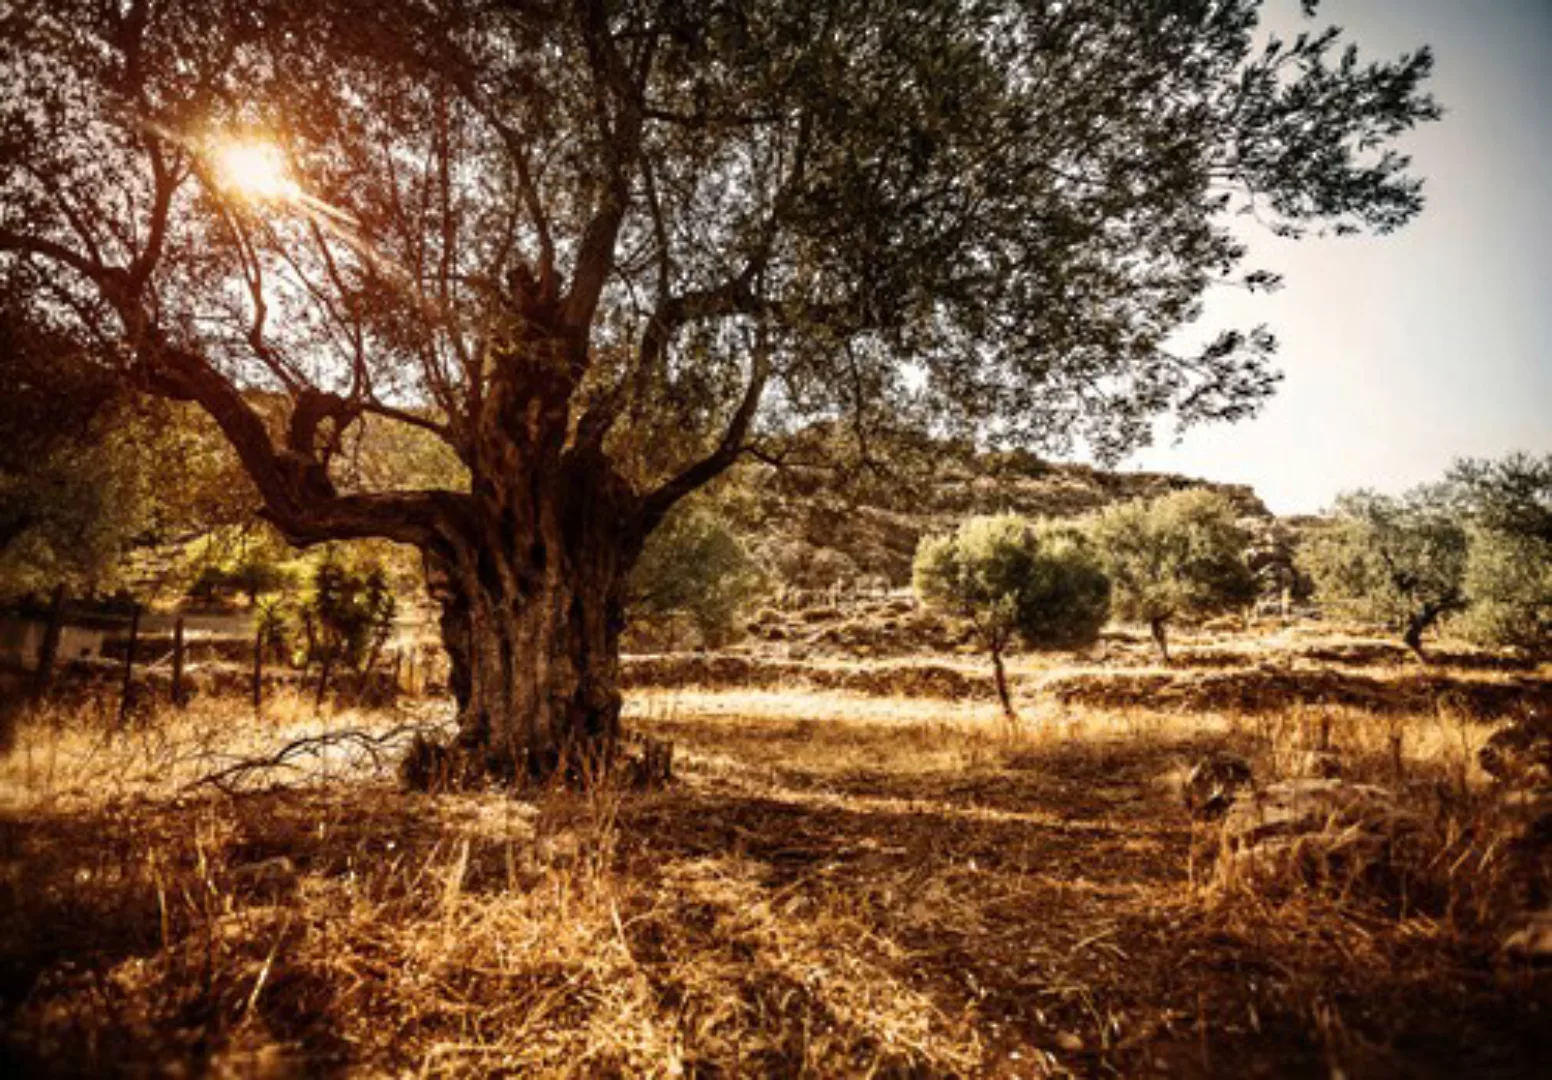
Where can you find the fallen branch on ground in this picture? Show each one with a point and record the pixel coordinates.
(365, 744)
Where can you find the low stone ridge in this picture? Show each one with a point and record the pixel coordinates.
(714, 670)
(1263, 689)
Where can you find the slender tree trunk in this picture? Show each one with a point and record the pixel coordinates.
(258, 666)
(178, 696)
(1002, 684)
(532, 606)
(1160, 637)
(127, 698)
(327, 669)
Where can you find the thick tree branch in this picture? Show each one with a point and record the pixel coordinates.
(612, 82)
(105, 277)
(299, 498)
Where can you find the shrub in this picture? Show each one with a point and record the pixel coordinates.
(348, 616)
(694, 567)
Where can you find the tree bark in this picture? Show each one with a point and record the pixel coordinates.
(532, 593)
(1419, 624)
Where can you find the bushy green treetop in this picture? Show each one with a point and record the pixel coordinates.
(1012, 580)
(1180, 556)
(694, 566)
(1508, 574)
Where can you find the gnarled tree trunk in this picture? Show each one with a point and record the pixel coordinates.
(532, 597)
(1420, 623)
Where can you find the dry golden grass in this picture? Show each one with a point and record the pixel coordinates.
(836, 884)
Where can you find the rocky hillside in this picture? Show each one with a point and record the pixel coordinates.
(811, 532)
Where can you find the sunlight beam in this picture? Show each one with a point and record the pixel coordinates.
(253, 169)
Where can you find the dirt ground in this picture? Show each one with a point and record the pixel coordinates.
(836, 883)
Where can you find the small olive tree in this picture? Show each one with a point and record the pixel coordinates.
(1398, 560)
(1013, 580)
(1180, 556)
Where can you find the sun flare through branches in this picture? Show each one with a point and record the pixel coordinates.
(253, 169)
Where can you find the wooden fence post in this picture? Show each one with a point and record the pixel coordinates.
(48, 650)
(126, 698)
(258, 663)
(178, 695)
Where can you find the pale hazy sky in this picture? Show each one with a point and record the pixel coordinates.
(1401, 353)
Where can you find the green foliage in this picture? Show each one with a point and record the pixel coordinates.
(1180, 556)
(257, 564)
(90, 471)
(1508, 580)
(1399, 561)
(694, 566)
(799, 169)
(72, 513)
(348, 614)
(1512, 495)
(1011, 580)
(382, 455)
(1508, 574)
(273, 627)
(1478, 546)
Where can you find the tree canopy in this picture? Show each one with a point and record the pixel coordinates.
(599, 247)
(1025, 201)
(1398, 560)
(1508, 573)
(693, 566)
(1512, 494)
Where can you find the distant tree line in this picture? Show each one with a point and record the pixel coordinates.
(1475, 548)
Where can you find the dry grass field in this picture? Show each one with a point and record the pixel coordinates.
(841, 880)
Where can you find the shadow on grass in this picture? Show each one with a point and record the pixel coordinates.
(844, 919)
(1270, 689)
(126, 949)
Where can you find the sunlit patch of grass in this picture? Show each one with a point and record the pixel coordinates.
(85, 754)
